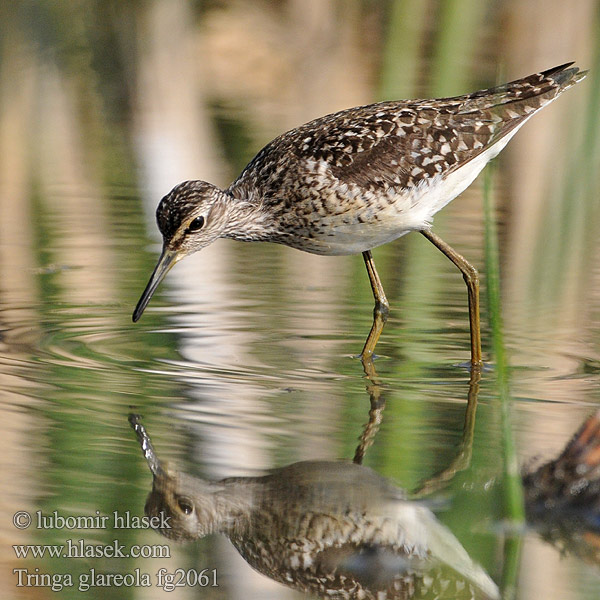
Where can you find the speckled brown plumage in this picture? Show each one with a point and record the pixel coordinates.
(335, 529)
(348, 169)
(353, 180)
(351, 166)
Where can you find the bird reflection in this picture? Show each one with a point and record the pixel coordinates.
(562, 497)
(334, 529)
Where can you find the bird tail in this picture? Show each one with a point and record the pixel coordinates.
(551, 83)
(564, 76)
(527, 95)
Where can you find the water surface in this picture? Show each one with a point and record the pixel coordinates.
(245, 359)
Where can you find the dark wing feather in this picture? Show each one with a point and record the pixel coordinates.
(398, 143)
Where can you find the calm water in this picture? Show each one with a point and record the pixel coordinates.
(245, 359)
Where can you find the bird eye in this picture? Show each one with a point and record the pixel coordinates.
(196, 224)
(185, 505)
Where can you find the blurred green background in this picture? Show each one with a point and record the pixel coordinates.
(243, 360)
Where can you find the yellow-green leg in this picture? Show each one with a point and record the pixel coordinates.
(380, 311)
(471, 277)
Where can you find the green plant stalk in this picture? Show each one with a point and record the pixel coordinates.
(457, 44)
(510, 571)
(400, 66)
(513, 489)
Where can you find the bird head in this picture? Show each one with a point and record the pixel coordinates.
(180, 506)
(190, 217)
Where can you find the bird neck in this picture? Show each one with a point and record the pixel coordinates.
(233, 504)
(247, 220)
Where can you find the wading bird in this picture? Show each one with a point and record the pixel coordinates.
(354, 180)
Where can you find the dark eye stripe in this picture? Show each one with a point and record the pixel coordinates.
(196, 225)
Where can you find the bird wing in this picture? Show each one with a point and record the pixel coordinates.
(396, 144)
(404, 143)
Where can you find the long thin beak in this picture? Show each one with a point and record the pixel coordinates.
(167, 259)
(144, 439)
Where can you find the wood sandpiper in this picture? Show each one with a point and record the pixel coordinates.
(351, 181)
(330, 528)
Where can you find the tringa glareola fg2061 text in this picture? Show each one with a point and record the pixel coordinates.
(350, 181)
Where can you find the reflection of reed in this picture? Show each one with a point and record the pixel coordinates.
(336, 529)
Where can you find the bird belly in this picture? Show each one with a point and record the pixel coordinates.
(359, 237)
(336, 236)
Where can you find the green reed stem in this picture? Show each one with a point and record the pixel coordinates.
(510, 571)
(400, 65)
(513, 490)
